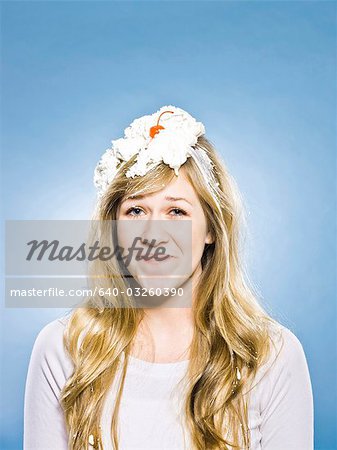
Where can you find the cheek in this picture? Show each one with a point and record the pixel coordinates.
(125, 234)
(121, 236)
(129, 231)
(198, 241)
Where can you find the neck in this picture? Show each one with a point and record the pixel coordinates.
(175, 310)
(165, 333)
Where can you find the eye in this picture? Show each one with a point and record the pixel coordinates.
(181, 212)
(133, 209)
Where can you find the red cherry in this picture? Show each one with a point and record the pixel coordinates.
(156, 128)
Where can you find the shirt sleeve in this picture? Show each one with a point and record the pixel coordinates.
(286, 400)
(49, 367)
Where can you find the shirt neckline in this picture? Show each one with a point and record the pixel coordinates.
(155, 368)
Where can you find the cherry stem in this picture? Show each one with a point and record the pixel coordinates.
(162, 114)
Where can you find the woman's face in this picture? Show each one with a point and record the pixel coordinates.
(173, 219)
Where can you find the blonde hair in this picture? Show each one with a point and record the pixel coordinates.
(231, 329)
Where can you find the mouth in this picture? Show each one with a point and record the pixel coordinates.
(157, 260)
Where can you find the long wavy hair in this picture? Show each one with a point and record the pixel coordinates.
(231, 336)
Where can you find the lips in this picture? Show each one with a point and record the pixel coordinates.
(157, 260)
(153, 255)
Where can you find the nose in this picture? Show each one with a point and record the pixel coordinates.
(154, 232)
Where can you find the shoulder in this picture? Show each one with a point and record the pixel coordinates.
(50, 337)
(49, 353)
(286, 353)
(48, 371)
(286, 348)
(285, 370)
(283, 399)
(284, 338)
(54, 328)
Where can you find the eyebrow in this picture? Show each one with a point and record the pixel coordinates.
(169, 199)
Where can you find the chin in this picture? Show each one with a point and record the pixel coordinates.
(160, 283)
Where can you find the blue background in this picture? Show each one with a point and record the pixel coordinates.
(259, 75)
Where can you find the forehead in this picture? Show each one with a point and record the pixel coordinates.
(179, 189)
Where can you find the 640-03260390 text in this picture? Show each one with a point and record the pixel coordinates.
(57, 292)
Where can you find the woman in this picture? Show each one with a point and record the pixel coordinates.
(204, 367)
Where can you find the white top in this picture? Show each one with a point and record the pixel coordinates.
(280, 414)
